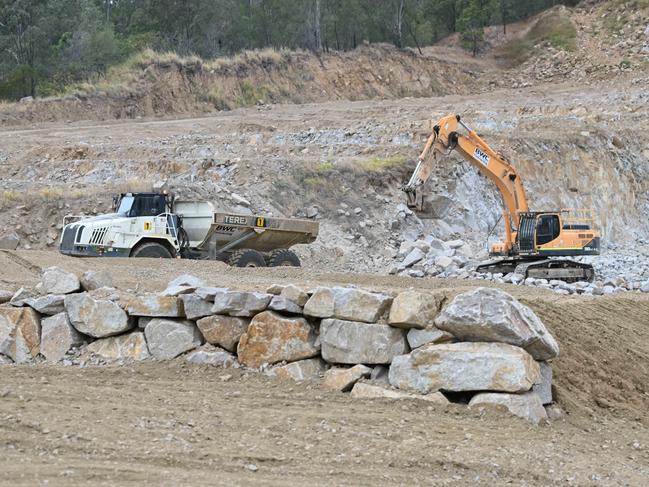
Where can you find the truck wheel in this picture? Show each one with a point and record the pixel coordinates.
(247, 258)
(283, 257)
(153, 250)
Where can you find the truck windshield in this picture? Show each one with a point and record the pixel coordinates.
(125, 205)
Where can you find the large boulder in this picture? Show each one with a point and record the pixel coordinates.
(527, 406)
(50, 304)
(21, 296)
(339, 379)
(224, 331)
(363, 390)
(284, 305)
(169, 338)
(92, 280)
(351, 342)
(209, 293)
(273, 338)
(211, 355)
(237, 303)
(417, 337)
(544, 388)
(413, 309)
(347, 304)
(132, 346)
(295, 294)
(58, 281)
(195, 306)
(491, 315)
(20, 334)
(465, 367)
(300, 371)
(58, 336)
(98, 318)
(155, 306)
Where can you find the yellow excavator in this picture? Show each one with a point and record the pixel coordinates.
(531, 237)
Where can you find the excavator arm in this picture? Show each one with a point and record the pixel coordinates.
(446, 138)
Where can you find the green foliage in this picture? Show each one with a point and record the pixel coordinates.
(378, 164)
(48, 45)
(552, 29)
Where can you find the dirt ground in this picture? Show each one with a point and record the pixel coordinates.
(176, 424)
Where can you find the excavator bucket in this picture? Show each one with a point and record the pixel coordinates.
(415, 200)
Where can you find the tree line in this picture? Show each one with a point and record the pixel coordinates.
(45, 45)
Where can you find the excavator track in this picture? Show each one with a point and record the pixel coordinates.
(559, 269)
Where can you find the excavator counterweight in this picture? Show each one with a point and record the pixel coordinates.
(531, 238)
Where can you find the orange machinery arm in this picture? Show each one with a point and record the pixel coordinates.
(443, 140)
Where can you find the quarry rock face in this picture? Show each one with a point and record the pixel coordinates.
(300, 371)
(273, 338)
(491, 315)
(340, 379)
(363, 390)
(465, 366)
(58, 336)
(244, 304)
(413, 309)
(98, 318)
(58, 281)
(527, 406)
(169, 338)
(224, 331)
(131, 346)
(20, 334)
(154, 305)
(347, 304)
(352, 342)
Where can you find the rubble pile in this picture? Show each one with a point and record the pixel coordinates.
(481, 348)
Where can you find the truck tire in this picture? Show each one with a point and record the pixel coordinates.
(247, 258)
(152, 250)
(283, 257)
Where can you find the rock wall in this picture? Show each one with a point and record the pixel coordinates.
(483, 347)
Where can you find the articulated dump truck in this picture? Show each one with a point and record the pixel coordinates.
(159, 226)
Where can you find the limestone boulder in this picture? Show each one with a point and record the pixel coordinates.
(196, 307)
(224, 331)
(21, 296)
(300, 371)
(211, 355)
(347, 304)
(169, 338)
(343, 379)
(417, 338)
(209, 293)
(352, 342)
(187, 280)
(527, 406)
(9, 241)
(465, 366)
(92, 280)
(273, 338)
(131, 346)
(363, 390)
(177, 290)
(58, 281)
(98, 318)
(154, 305)
(237, 303)
(4, 360)
(544, 388)
(58, 336)
(20, 334)
(413, 309)
(491, 315)
(295, 294)
(50, 304)
(284, 305)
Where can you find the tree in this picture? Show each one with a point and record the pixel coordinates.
(472, 23)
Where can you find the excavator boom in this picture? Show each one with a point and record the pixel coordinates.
(529, 235)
